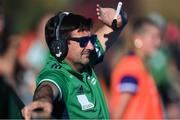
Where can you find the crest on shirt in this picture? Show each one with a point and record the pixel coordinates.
(93, 81)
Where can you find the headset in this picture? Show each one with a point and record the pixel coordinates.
(56, 43)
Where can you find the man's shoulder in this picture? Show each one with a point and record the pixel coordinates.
(129, 60)
(52, 64)
(52, 73)
(51, 68)
(129, 64)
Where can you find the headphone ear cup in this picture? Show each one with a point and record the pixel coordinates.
(56, 40)
(59, 49)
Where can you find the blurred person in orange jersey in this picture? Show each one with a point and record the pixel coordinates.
(134, 93)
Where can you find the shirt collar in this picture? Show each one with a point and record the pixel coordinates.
(65, 65)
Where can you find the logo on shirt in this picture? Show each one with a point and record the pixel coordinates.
(84, 102)
(97, 49)
(93, 81)
(56, 66)
(80, 90)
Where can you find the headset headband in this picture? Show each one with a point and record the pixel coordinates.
(60, 17)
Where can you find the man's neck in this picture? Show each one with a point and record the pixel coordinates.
(76, 66)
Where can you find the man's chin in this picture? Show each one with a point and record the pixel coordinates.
(86, 61)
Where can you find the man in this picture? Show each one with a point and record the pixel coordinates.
(67, 87)
(134, 93)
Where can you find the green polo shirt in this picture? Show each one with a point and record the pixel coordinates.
(80, 95)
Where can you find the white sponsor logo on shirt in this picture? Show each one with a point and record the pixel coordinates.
(85, 103)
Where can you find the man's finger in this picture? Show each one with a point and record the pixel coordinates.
(98, 5)
(25, 113)
(99, 18)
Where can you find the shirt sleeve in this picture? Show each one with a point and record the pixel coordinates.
(98, 54)
(52, 77)
(128, 84)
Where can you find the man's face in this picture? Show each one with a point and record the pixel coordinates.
(79, 54)
(151, 39)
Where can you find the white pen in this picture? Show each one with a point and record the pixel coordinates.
(118, 9)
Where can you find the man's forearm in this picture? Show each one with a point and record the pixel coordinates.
(41, 107)
(44, 92)
(102, 34)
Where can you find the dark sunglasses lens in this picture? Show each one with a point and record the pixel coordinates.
(84, 41)
(93, 39)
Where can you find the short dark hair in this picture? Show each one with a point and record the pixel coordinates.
(138, 24)
(69, 23)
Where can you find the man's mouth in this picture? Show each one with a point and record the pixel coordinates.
(86, 53)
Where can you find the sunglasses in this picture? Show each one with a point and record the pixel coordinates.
(83, 41)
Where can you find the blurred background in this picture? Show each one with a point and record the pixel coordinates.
(23, 51)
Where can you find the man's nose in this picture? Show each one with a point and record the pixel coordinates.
(90, 45)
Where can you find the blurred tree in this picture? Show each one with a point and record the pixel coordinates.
(25, 13)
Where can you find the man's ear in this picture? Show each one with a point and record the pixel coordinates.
(138, 42)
